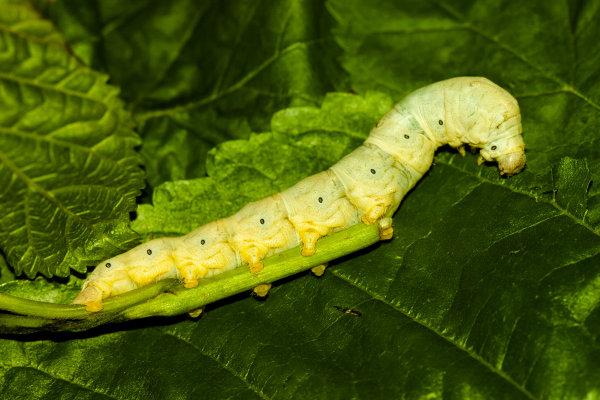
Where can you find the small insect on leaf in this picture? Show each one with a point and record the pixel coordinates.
(349, 311)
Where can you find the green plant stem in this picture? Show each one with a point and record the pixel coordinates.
(169, 298)
(12, 322)
(19, 305)
(41, 309)
(276, 267)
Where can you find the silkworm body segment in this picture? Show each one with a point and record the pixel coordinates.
(365, 186)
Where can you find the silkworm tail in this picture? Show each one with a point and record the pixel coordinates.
(91, 297)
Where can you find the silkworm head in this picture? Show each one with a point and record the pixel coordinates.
(493, 123)
(508, 152)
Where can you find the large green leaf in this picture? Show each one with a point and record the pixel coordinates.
(506, 270)
(201, 72)
(490, 288)
(68, 172)
(501, 275)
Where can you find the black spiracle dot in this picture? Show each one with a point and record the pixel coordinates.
(406, 137)
(149, 252)
(320, 199)
(494, 147)
(373, 171)
(108, 265)
(262, 221)
(441, 122)
(202, 242)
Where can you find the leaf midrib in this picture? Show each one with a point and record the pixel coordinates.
(33, 186)
(52, 88)
(52, 141)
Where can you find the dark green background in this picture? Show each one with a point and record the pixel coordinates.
(490, 288)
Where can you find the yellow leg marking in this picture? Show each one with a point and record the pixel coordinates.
(308, 251)
(190, 283)
(253, 256)
(386, 234)
(196, 313)
(319, 270)
(143, 276)
(386, 230)
(256, 267)
(262, 290)
(370, 218)
(309, 242)
(190, 273)
(94, 306)
(373, 215)
(461, 150)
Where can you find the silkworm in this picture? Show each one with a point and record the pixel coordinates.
(365, 186)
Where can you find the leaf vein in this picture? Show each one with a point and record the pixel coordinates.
(50, 140)
(50, 88)
(472, 354)
(226, 367)
(59, 378)
(144, 116)
(527, 193)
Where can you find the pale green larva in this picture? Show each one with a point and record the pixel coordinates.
(367, 185)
